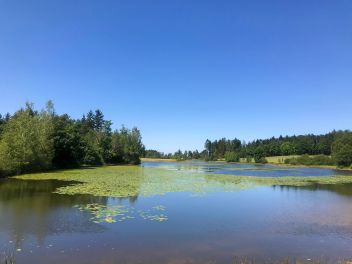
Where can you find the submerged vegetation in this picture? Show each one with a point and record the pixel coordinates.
(32, 141)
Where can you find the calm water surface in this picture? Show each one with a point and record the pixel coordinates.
(264, 222)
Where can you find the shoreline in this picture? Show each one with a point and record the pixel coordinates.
(157, 160)
(310, 166)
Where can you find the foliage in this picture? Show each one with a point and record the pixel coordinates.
(33, 141)
(336, 143)
(308, 161)
(127, 146)
(342, 149)
(154, 154)
(231, 156)
(249, 159)
(26, 144)
(218, 148)
(120, 213)
(281, 146)
(259, 155)
(68, 145)
(178, 155)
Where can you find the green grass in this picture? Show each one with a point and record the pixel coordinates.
(280, 159)
(129, 181)
(277, 159)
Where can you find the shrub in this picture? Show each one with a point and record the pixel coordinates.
(342, 149)
(231, 156)
(307, 160)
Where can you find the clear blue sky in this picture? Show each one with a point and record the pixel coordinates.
(183, 71)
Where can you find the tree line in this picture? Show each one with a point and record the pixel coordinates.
(178, 155)
(33, 141)
(328, 149)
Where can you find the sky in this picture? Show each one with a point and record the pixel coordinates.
(183, 71)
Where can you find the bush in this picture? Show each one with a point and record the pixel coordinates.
(260, 160)
(231, 156)
(249, 159)
(259, 155)
(26, 143)
(308, 161)
(33, 141)
(342, 149)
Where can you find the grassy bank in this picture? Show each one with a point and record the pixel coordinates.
(276, 159)
(280, 161)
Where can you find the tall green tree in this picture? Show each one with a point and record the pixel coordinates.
(68, 145)
(127, 146)
(231, 156)
(26, 143)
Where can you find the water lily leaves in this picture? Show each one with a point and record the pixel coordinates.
(119, 213)
(133, 181)
(159, 207)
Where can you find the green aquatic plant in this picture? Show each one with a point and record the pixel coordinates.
(119, 213)
(102, 213)
(147, 215)
(159, 207)
(132, 181)
(129, 181)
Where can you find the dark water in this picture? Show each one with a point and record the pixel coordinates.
(264, 222)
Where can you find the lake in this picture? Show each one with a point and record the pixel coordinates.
(175, 212)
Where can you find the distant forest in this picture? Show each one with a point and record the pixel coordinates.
(331, 148)
(32, 141)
